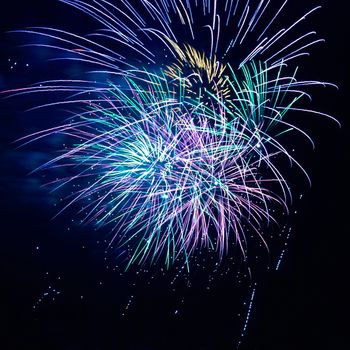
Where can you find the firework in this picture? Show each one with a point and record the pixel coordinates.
(180, 155)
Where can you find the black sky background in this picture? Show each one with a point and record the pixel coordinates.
(303, 306)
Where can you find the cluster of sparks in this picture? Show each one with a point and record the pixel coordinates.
(178, 152)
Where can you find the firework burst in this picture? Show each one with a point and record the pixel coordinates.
(181, 155)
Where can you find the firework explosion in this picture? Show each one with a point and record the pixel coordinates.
(177, 143)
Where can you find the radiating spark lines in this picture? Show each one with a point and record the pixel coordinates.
(177, 142)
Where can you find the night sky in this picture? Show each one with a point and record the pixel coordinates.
(63, 291)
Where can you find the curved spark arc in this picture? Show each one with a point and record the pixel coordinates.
(132, 30)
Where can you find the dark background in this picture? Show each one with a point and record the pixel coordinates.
(302, 306)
